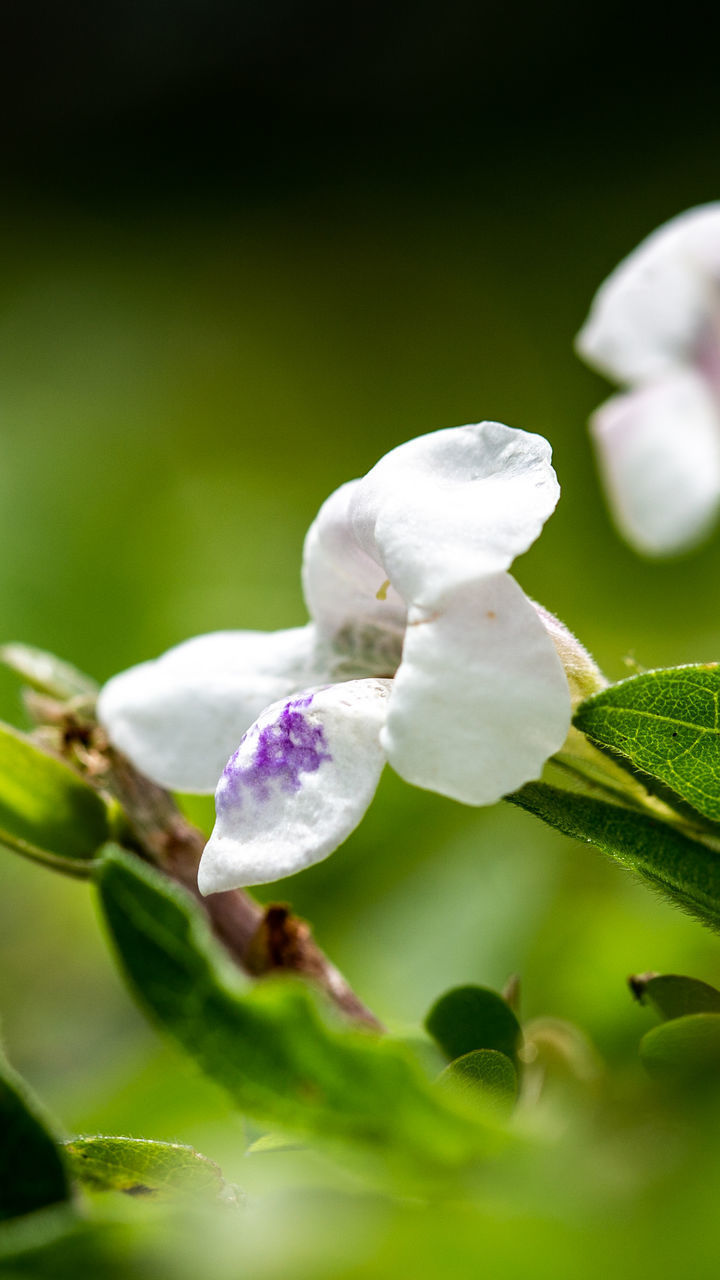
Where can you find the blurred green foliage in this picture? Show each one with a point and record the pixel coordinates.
(270, 1047)
(180, 389)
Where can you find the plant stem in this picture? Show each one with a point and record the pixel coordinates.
(259, 939)
(598, 774)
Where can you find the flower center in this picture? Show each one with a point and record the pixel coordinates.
(360, 649)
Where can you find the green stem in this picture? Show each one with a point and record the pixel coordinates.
(600, 776)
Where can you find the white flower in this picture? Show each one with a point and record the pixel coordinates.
(655, 326)
(422, 650)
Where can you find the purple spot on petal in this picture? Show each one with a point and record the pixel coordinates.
(284, 750)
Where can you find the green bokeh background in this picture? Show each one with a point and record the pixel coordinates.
(183, 380)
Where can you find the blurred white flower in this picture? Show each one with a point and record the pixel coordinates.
(422, 650)
(654, 326)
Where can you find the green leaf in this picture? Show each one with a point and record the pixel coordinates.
(468, 1018)
(684, 1049)
(486, 1071)
(666, 724)
(32, 1171)
(46, 673)
(47, 811)
(682, 869)
(673, 996)
(270, 1046)
(57, 1244)
(140, 1167)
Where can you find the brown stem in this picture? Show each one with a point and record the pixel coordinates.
(259, 939)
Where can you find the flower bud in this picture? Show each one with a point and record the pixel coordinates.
(584, 677)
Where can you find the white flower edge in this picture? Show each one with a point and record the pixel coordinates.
(654, 325)
(658, 451)
(481, 700)
(646, 318)
(453, 506)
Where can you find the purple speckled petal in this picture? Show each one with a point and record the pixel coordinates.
(274, 755)
(298, 784)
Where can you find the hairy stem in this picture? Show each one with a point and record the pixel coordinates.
(599, 774)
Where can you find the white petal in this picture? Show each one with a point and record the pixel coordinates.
(481, 700)
(347, 593)
(179, 717)
(451, 506)
(299, 783)
(655, 308)
(659, 453)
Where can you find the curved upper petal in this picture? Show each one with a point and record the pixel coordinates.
(659, 453)
(359, 613)
(299, 783)
(481, 700)
(179, 717)
(653, 310)
(448, 507)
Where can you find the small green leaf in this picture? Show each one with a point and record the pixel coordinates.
(682, 869)
(47, 811)
(270, 1142)
(32, 1171)
(486, 1071)
(468, 1018)
(270, 1045)
(666, 724)
(673, 996)
(140, 1167)
(46, 673)
(684, 1049)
